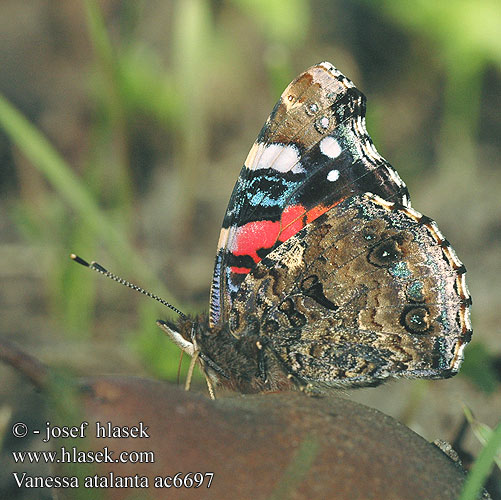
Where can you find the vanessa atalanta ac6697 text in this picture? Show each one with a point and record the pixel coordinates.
(324, 275)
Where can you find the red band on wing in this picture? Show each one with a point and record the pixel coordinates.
(257, 235)
(253, 236)
(240, 270)
(317, 212)
(292, 221)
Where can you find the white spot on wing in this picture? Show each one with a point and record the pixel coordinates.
(223, 238)
(333, 175)
(275, 156)
(330, 147)
(324, 122)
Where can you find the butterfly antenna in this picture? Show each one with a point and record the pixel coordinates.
(100, 269)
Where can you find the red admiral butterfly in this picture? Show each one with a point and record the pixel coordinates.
(324, 274)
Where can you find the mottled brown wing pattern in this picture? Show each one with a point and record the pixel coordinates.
(369, 290)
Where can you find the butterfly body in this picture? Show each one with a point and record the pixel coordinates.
(324, 275)
(240, 364)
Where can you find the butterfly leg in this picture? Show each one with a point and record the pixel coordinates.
(189, 376)
(210, 386)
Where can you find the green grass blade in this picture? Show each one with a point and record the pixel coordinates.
(48, 161)
(482, 466)
(481, 431)
(42, 155)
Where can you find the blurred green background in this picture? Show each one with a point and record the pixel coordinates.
(124, 125)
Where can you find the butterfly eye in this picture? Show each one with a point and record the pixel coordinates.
(416, 320)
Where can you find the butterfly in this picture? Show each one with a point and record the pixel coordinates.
(324, 274)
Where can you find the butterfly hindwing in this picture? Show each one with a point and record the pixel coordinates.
(367, 290)
(312, 152)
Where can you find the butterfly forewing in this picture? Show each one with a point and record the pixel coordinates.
(312, 152)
